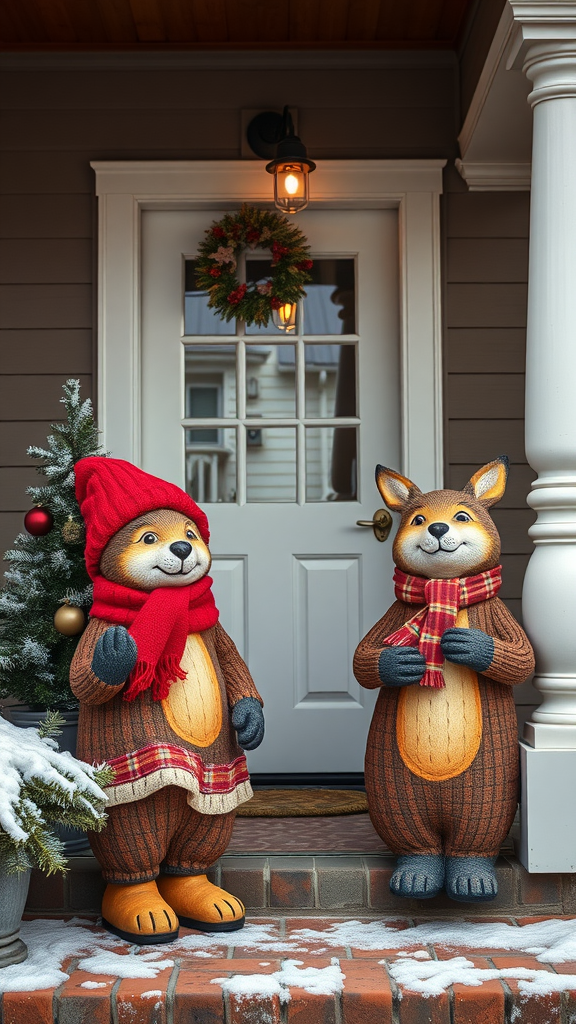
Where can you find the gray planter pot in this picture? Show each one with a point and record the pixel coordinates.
(74, 840)
(13, 894)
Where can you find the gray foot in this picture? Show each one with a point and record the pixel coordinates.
(471, 879)
(419, 876)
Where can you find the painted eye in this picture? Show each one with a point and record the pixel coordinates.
(418, 520)
(463, 517)
(190, 535)
(149, 538)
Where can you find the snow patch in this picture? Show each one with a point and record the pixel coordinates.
(323, 981)
(152, 993)
(434, 977)
(49, 944)
(551, 941)
(121, 966)
(94, 984)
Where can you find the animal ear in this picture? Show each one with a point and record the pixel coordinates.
(489, 483)
(395, 489)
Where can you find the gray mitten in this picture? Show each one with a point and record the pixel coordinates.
(248, 720)
(401, 666)
(471, 647)
(114, 656)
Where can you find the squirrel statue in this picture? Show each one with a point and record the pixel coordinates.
(165, 699)
(442, 752)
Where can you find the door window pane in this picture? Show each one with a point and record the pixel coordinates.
(330, 381)
(270, 381)
(271, 464)
(329, 306)
(199, 319)
(258, 273)
(331, 463)
(210, 381)
(211, 465)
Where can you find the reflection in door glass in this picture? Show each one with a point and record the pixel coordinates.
(330, 381)
(199, 319)
(258, 272)
(271, 464)
(270, 381)
(331, 461)
(329, 306)
(211, 464)
(210, 381)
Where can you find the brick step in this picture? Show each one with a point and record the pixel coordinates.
(327, 883)
(187, 990)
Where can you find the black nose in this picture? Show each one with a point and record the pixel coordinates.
(181, 548)
(438, 529)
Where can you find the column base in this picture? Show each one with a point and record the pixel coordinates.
(548, 809)
(545, 736)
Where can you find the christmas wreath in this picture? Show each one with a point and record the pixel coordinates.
(218, 259)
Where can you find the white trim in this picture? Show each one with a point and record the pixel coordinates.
(411, 186)
(495, 54)
(495, 177)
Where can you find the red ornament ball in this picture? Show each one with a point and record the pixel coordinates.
(38, 522)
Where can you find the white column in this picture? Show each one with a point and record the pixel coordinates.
(546, 51)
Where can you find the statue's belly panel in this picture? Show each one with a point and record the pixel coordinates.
(193, 707)
(439, 731)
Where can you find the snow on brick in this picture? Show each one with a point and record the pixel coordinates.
(324, 981)
(434, 977)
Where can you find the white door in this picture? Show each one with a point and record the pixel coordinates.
(278, 436)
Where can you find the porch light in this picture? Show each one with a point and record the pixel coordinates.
(284, 318)
(272, 134)
(290, 168)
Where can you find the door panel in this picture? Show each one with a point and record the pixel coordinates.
(286, 467)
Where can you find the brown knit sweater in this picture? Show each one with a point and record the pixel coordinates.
(513, 659)
(186, 740)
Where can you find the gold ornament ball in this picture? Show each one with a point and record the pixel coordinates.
(69, 620)
(73, 533)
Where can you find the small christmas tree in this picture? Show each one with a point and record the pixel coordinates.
(47, 575)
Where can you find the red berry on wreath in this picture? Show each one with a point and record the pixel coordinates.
(38, 521)
(218, 232)
(275, 302)
(215, 272)
(305, 265)
(237, 295)
(278, 251)
(252, 235)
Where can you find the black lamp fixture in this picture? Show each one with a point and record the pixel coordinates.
(272, 134)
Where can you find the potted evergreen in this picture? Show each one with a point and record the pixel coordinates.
(47, 591)
(40, 786)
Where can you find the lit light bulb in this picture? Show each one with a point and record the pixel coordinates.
(284, 318)
(291, 184)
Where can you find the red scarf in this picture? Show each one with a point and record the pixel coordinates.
(159, 622)
(443, 599)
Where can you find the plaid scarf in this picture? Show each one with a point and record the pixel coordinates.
(443, 599)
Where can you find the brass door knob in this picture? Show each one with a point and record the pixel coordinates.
(381, 523)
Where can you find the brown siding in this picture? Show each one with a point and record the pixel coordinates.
(485, 290)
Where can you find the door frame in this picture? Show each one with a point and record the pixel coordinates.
(413, 187)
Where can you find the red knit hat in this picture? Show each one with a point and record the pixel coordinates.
(112, 492)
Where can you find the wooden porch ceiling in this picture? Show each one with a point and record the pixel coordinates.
(230, 24)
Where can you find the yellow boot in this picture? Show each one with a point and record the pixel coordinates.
(138, 913)
(199, 904)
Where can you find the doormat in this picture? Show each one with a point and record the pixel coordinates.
(303, 803)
